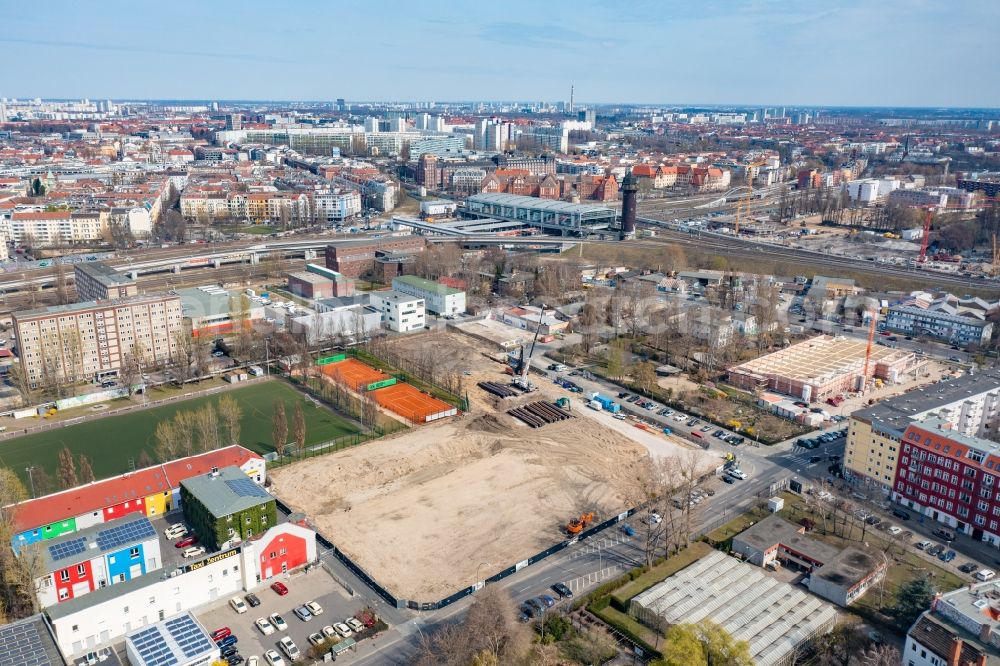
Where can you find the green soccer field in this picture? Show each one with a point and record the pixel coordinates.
(111, 442)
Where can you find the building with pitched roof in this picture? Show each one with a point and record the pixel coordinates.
(961, 628)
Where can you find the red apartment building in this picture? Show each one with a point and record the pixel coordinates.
(950, 477)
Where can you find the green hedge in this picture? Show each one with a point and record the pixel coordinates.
(626, 626)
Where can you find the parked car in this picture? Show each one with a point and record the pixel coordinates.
(528, 611)
(289, 648)
(728, 479)
(314, 608)
(227, 641)
(948, 556)
(935, 550)
(221, 633)
(737, 473)
(353, 623)
(278, 622)
(628, 530)
(563, 590)
(194, 552)
(547, 600)
(302, 613)
(264, 626)
(342, 629)
(986, 574)
(536, 603)
(944, 534)
(316, 638)
(274, 659)
(252, 600)
(238, 605)
(280, 588)
(922, 545)
(186, 542)
(968, 568)
(899, 513)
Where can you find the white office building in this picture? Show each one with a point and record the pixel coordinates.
(400, 312)
(438, 298)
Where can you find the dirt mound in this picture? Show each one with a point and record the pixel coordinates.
(488, 423)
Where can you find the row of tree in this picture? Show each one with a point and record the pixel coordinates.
(279, 429)
(194, 431)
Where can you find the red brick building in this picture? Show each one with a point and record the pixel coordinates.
(354, 258)
(951, 478)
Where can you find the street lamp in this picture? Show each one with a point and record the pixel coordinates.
(31, 479)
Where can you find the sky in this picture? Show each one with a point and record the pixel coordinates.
(927, 53)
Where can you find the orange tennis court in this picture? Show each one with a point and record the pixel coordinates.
(412, 404)
(354, 373)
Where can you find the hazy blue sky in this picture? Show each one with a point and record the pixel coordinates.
(836, 52)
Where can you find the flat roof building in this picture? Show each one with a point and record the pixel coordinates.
(28, 642)
(179, 641)
(820, 368)
(400, 312)
(970, 403)
(226, 506)
(212, 310)
(556, 217)
(438, 298)
(97, 281)
(775, 618)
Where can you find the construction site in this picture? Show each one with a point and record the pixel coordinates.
(823, 367)
(422, 510)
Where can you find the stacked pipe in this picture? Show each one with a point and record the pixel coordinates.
(499, 390)
(538, 414)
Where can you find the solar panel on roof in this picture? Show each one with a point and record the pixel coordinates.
(20, 644)
(188, 636)
(123, 535)
(246, 488)
(65, 549)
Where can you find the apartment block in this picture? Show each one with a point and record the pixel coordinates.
(98, 282)
(949, 327)
(951, 478)
(91, 340)
(969, 403)
(48, 228)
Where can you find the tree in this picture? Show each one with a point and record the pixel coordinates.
(185, 425)
(645, 376)
(279, 427)
(208, 428)
(67, 469)
(41, 481)
(299, 428)
(616, 360)
(881, 655)
(704, 643)
(914, 598)
(86, 471)
(144, 460)
(840, 646)
(166, 441)
(230, 414)
(489, 634)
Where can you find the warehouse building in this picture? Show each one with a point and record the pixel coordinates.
(775, 618)
(342, 285)
(970, 403)
(821, 368)
(839, 575)
(554, 217)
(355, 258)
(212, 310)
(310, 285)
(438, 298)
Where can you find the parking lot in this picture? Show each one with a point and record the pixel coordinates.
(316, 585)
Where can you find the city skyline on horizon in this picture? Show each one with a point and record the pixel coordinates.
(853, 54)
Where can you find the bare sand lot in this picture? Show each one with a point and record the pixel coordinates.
(423, 509)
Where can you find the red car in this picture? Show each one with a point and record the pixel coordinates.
(222, 633)
(280, 588)
(186, 542)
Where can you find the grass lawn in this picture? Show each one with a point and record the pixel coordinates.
(110, 442)
(257, 229)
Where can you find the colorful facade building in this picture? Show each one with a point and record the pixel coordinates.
(151, 491)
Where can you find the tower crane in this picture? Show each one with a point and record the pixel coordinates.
(744, 202)
(868, 349)
(929, 215)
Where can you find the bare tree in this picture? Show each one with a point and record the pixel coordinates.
(185, 425)
(230, 414)
(299, 428)
(279, 427)
(67, 469)
(182, 355)
(881, 655)
(86, 471)
(208, 428)
(166, 441)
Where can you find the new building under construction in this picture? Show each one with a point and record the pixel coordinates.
(821, 368)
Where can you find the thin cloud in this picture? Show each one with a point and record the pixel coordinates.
(136, 49)
(545, 35)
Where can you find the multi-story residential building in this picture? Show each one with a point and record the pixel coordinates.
(93, 340)
(49, 228)
(961, 628)
(97, 282)
(519, 182)
(534, 166)
(939, 324)
(548, 138)
(334, 206)
(226, 507)
(438, 298)
(437, 145)
(951, 478)
(970, 403)
(400, 312)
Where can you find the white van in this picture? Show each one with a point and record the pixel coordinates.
(985, 574)
(175, 531)
(737, 474)
(194, 551)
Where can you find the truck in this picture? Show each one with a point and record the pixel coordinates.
(595, 405)
(607, 404)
